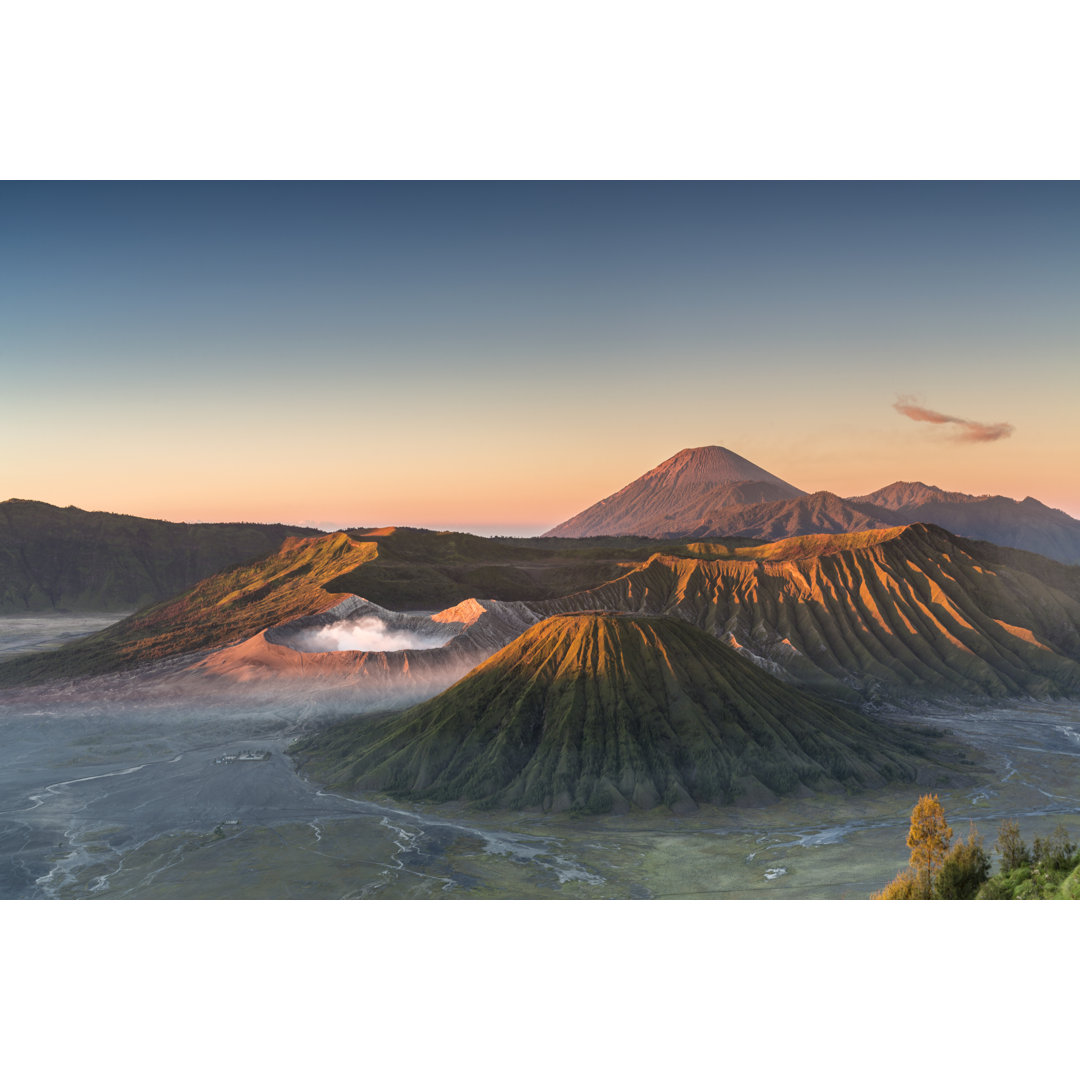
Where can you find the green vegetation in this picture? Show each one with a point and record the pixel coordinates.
(596, 713)
(1050, 870)
(963, 870)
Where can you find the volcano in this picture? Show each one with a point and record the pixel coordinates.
(600, 712)
(711, 491)
(676, 496)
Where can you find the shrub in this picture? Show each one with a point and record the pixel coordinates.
(1011, 847)
(905, 886)
(965, 869)
(997, 888)
(1054, 852)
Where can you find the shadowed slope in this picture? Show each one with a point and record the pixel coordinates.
(223, 608)
(422, 569)
(1025, 523)
(53, 558)
(904, 612)
(822, 512)
(600, 712)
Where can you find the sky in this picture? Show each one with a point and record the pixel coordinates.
(495, 357)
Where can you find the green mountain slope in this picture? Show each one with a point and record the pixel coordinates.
(600, 712)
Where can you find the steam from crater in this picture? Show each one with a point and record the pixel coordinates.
(366, 634)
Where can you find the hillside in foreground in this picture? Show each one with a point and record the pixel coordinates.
(597, 712)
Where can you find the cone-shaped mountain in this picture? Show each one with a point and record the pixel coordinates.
(673, 497)
(600, 712)
(710, 491)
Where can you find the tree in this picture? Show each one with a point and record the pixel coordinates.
(963, 870)
(1055, 851)
(1011, 847)
(928, 839)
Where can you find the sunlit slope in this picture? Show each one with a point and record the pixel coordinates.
(401, 569)
(65, 558)
(910, 611)
(224, 608)
(602, 712)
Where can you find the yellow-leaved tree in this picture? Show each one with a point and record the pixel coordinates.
(928, 839)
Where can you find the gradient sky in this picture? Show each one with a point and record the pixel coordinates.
(496, 357)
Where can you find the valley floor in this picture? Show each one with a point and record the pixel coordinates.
(130, 803)
(131, 797)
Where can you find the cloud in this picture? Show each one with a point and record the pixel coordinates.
(366, 634)
(965, 430)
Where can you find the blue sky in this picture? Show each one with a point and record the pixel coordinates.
(499, 355)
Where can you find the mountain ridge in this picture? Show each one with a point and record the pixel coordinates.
(1020, 523)
(64, 558)
(901, 613)
(743, 502)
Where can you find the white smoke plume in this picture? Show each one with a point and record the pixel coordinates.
(366, 634)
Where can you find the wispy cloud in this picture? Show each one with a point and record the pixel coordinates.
(965, 430)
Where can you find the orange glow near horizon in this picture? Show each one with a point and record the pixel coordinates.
(484, 486)
(502, 356)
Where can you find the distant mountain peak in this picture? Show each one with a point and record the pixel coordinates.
(903, 493)
(713, 465)
(672, 496)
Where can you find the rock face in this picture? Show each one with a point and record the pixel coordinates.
(679, 495)
(68, 558)
(899, 613)
(1026, 523)
(597, 712)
